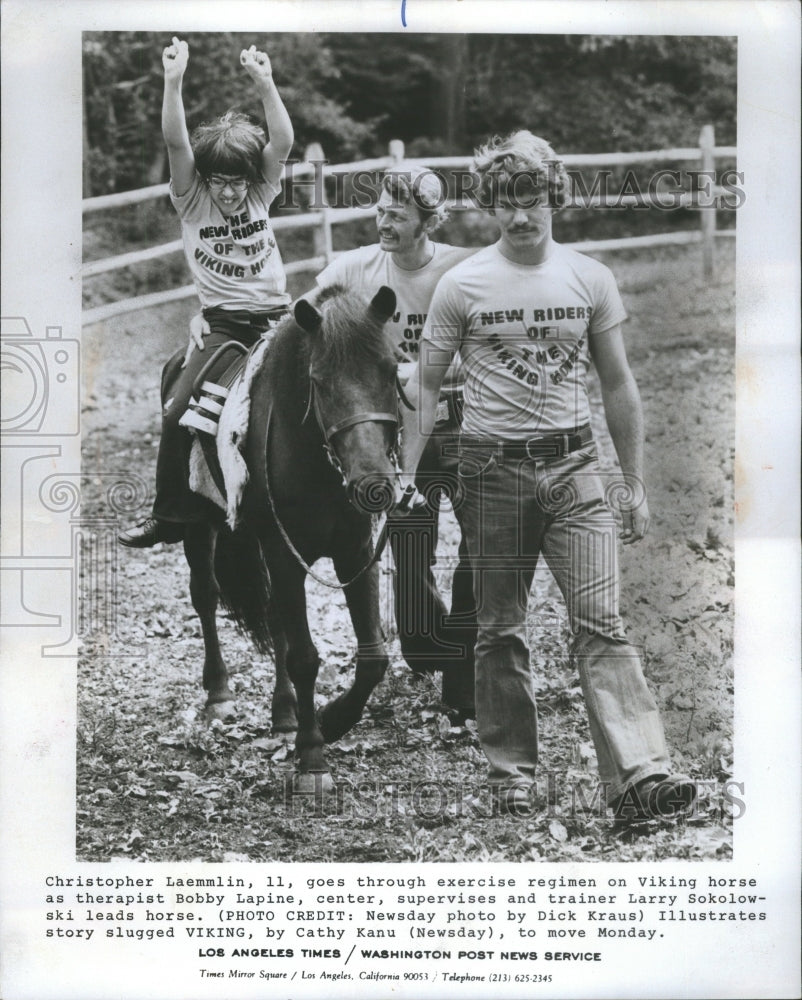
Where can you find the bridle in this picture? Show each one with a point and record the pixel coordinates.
(329, 432)
(366, 417)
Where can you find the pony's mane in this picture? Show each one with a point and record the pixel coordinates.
(350, 334)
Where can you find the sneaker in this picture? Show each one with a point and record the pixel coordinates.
(149, 532)
(661, 797)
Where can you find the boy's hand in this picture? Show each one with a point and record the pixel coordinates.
(174, 59)
(198, 329)
(257, 65)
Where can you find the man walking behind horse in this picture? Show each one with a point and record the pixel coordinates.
(410, 208)
(527, 317)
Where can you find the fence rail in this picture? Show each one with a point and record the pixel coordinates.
(323, 218)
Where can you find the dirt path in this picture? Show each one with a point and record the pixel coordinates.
(154, 782)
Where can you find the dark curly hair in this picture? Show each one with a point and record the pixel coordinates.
(411, 184)
(232, 144)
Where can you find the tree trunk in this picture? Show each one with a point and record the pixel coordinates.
(449, 97)
(157, 166)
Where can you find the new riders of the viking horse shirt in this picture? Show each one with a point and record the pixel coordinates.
(368, 268)
(523, 334)
(234, 260)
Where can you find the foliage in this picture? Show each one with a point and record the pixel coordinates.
(123, 93)
(441, 94)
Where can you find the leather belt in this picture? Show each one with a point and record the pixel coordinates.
(547, 446)
(449, 405)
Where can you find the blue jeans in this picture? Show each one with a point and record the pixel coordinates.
(432, 638)
(511, 512)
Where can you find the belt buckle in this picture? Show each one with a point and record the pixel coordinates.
(543, 446)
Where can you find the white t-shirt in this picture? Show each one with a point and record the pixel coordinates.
(234, 260)
(522, 332)
(366, 269)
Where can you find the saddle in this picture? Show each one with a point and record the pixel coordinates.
(217, 469)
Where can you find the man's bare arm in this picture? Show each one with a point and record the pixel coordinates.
(624, 415)
(424, 391)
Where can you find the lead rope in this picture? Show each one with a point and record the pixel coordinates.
(377, 552)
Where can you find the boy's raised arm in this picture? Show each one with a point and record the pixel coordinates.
(174, 124)
(279, 127)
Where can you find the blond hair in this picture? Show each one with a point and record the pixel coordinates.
(499, 163)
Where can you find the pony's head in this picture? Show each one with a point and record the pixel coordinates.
(353, 389)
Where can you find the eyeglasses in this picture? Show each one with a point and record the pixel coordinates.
(236, 183)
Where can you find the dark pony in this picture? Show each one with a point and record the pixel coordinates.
(321, 460)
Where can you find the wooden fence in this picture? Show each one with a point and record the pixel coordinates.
(323, 218)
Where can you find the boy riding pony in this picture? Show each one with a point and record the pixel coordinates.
(222, 182)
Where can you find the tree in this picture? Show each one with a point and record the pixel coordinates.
(448, 118)
(440, 93)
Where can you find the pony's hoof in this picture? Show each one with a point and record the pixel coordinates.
(224, 711)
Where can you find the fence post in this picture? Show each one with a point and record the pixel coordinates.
(396, 150)
(321, 233)
(707, 144)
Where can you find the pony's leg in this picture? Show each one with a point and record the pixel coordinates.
(199, 546)
(302, 660)
(284, 706)
(362, 598)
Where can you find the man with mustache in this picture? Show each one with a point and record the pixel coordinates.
(528, 316)
(409, 209)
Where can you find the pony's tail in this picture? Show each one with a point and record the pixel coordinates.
(244, 583)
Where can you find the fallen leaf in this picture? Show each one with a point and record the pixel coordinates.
(349, 744)
(268, 743)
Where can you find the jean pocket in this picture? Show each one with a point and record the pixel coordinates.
(587, 453)
(474, 461)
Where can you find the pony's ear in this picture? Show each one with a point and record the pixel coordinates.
(307, 317)
(383, 303)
